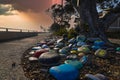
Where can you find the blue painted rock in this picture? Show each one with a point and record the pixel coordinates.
(84, 49)
(77, 64)
(72, 41)
(36, 48)
(101, 53)
(75, 48)
(84, 59)
(60, 45)
(64, 72)
(63, 51)
(49, 58)
(96, 47)
(80, 38)
(44, 46)
(99, 43)
(79, 44)
(93, 39)
(72, 57)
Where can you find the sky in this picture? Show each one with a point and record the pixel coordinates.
(25, 14)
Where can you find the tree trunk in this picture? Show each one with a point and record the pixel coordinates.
(89, 15)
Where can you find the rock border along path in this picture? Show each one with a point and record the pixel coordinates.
(10, 57)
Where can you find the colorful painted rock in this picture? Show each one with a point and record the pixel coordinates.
(101, 77)
(73, 52)
(99, 43)
(59, 40)
(63, 51)
(64, 72)
(75, 63)
(91, 77)
(81, 55)
(49, 58)
(118, 49)
(84, 59)
(36, 48)
(84, 49)
(80, 38)
(44, 46)
(101, 53)
(60, 45)
(31, 52)
(96, 47)
(79, 44)
(38, 53)
(72, 41)
(72, 57)
(33, 59)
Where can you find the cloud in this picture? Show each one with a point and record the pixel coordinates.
(6, 9)
(28, 5)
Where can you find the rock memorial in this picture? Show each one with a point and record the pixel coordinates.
(72, 59)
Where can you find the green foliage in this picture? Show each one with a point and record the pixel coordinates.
(72, 33)
(60, 32)
(55, 27)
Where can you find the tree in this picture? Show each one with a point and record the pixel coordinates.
(89, 15)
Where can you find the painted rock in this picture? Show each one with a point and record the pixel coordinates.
(31, 52)
(84, 59)
(44, 46)
(64, 72)
(38, 53)
(36, 48)
(101, 77)
(81, 55)
(60, 45)
(84, 49)
(75, 63)
(49, 58)
(63, 51)
(72, 57)
(93, 39)
(101, 53)
(72, 41)
(73, 52)
(99, 43)
(91, 77)
(59, 40)
(80, 38)
(118, 49)
(79, 44)
(96, 47)
(33, 59)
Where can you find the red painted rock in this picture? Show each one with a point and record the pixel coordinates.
(38, 53)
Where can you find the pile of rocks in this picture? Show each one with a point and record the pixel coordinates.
(79, 58)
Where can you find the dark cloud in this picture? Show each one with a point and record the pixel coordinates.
(6, 9)
(28, 5)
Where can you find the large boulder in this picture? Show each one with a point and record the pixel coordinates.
(64, 72)
(49, 59)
